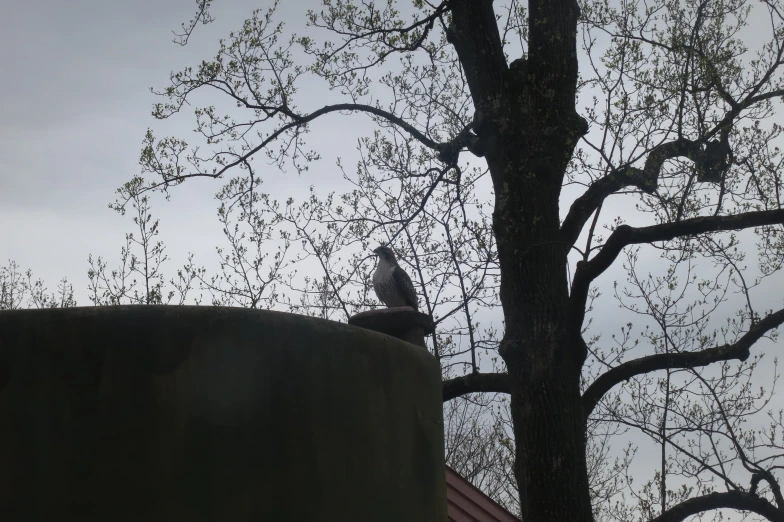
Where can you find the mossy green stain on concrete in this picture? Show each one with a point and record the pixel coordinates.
(202, 413)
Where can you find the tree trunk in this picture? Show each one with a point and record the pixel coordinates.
(549, 433)
(528, 127)
(542, 346)
(543, 358)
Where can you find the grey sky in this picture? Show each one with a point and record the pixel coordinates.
(76, 105)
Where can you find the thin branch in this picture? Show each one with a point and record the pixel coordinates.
(202, 15)
(738, 350)
(625, 235)
(448, 151)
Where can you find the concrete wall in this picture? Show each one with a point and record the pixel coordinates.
(214, 414)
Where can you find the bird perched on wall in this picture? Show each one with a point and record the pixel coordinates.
(392, 285)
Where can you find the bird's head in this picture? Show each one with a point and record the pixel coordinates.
(385, 254)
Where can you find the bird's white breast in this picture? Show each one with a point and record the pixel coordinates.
(383, 272)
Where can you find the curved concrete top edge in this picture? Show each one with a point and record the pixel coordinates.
(164, 333)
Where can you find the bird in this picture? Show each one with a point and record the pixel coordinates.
(391, 283)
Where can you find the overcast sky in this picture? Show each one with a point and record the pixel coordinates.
(75, 107)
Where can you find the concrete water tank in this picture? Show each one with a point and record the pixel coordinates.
(142, 413)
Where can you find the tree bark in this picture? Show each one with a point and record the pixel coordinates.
(543, 358)
(528, 127)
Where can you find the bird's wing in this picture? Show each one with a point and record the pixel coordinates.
(405, 287)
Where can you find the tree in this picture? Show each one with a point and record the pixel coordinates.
(140, 279)
(18, 289)
(559, 105)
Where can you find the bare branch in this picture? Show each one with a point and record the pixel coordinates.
(625, 235)
(739, 500)
(393, 39)
(738, 350)
(202, 16)
(711, 161)
(475, 383)
(448, 151)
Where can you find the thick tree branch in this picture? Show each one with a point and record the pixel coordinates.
(448, 151)
(474, 383)
(474, 34)
(358, 107)
(711, 161)
(552, 44)
(739, 500)
(738, 350)
(625, 235)
(645, 179)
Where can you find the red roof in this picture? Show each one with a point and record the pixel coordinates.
(466, 503)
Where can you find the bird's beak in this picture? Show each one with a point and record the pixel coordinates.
(376, 251)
